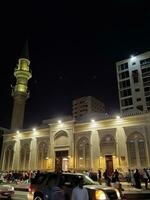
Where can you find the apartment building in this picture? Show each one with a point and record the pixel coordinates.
(133, 75)
(86, 105)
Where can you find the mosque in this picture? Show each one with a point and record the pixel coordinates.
(67, 144)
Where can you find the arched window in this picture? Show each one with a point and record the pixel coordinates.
(136, 150)
(83, 149)
(9, 153)
(42, 155)
(108, 145)
(24, 157)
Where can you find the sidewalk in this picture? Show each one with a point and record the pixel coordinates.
(130, 189)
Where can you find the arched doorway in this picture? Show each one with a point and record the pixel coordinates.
(108, 150)
(61, 145)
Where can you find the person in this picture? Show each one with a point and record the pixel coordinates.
(106, 177)
(79, 192)
(52, 189)
(145, 177)
(99, 176)
(137, 179)
(132, 178)
(116, 173)
(128, 177)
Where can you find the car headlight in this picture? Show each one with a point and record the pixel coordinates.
(100, 195)
(118, 193)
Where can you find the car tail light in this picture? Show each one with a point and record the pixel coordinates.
(30, 188)
(100, 195)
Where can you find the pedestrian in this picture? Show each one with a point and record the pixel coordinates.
(106, 177)
(52, 189)
(79, 192)
(116, 174)
(145, 177)
(132, 178)
(100, 176)
(137, 179)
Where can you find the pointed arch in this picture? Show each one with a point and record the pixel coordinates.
(83, 151)
(136, 150)
(9, 154)
(108, 145)
(24, 156)
(42, 155)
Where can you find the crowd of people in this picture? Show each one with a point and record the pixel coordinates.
(17, 177)
(133, 177)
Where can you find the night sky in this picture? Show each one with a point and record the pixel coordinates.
(73, 48)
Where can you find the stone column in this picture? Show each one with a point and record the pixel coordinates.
(33, 154)
(95, 151)
(122, 147)
(16, 157)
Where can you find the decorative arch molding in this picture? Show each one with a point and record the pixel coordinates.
(107, 145)
(60, 134)
(43, 152)
(83, 150)
(136, 148)
(25, 154)
(8, 155)
(61, 139)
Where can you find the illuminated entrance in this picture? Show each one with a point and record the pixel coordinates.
(61, 161)
(109, 164)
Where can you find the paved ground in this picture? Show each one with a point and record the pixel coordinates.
(130, 193)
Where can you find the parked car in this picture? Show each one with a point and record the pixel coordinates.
(38, 188)
(6, 191)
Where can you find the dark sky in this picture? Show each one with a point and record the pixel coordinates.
(73, 50)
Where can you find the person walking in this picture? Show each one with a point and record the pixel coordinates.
(116, 174)
(137, 179)
(132, 178)
(100, 176)
(79, 192)
(145, 177)
(106, 177)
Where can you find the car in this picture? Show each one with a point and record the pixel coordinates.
(38, 187)
(6, 191)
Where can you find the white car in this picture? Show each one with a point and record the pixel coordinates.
(6, 191)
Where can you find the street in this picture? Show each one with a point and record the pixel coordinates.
(20, 195)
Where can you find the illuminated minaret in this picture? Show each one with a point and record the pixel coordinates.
(20, 91)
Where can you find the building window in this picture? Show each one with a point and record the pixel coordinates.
(124, 84)
(83, 150)
(42, 155)
(125, 93)
(147, 98)
(126, 102)
(123, 66)
(136, 149)
(124, 75)
(147, 89)
(135, 76)
(137, 89)
(133, 63)
(145, 61)
(24, 157)
(138, 99)
(145, 70)
(9, 153)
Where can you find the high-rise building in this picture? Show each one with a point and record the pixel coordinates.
(133, 76)
(20, 92)
(86, 105)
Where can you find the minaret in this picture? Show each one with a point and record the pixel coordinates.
(20, 91)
